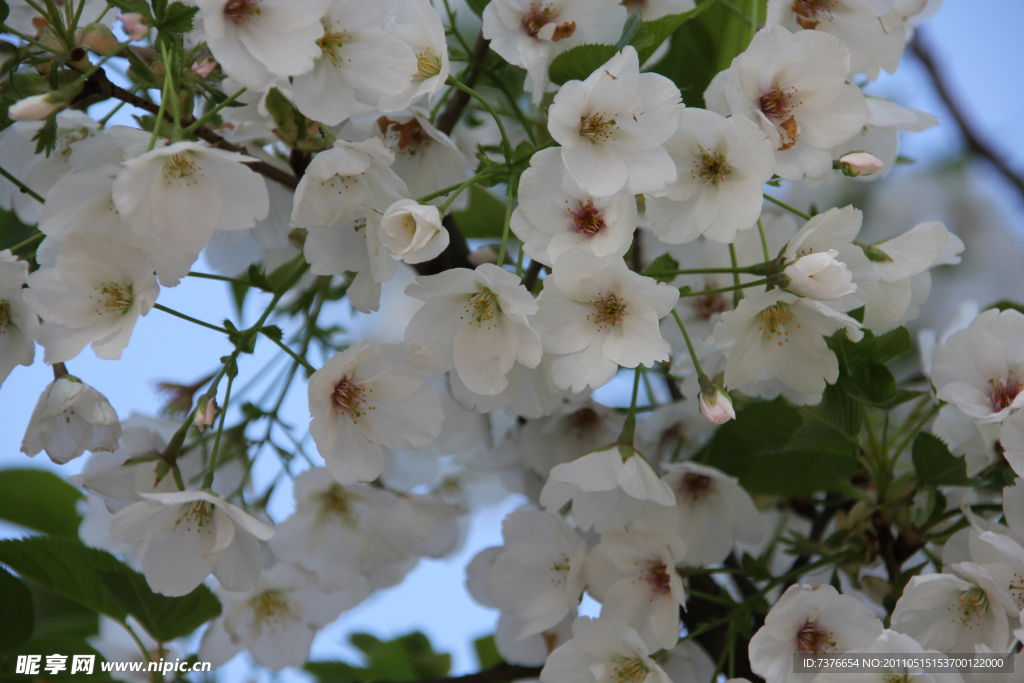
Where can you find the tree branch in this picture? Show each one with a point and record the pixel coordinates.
(975, 143)
(449, 116)
(99, 84)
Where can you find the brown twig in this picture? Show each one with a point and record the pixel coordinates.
(532, 273)
(449, 116)
(99, 84)
(974, 140)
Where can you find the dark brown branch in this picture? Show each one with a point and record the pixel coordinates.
(974, 140)
(499, 674)
(532, 273)
(449, 116)
(715, 641)
(99, 84)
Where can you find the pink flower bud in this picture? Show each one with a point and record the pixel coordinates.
(857, 164)
(99, 39)
(718, 409)
(205, 414)
(135, 25)
(205, 67)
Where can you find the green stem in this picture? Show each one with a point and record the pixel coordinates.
(34, 238)
(749, 270)
(173, 312)
(629, 427)
(506, 146)
(138, 641)
(208, 479)
(455, 195)
(519, 264)
(179, 481)
(221, 278)
(787, 207)
(159, 120)
(689, 344)
(21, 186)
(30, 41)
(756, 283)
(213, 112)
(764, 240)
(511, 191)
(737, 295)
(295, 356)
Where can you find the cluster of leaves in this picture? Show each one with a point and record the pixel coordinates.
(63, 586)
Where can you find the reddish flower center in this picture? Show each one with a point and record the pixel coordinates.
(347, 398)
(777, 102)
(1004, 391)
(696, 486)
(657, 576)
(538, 16)
(241, 10)
(812, 638)
(710, 304)
(585, 419)
(808, 12)
(587, 219)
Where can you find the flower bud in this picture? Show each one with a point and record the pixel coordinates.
(412, 232)
(485, 254)
(205, 412)
(33, 108)
(856, 164)
(99, 39)
(135, 25)
(205, 67)
(715, 405)
(819, 276)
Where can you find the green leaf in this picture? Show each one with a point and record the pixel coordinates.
(55, 615)
(286, 274)
(652, 34)
(272, 332)
(760, 427)
(934, 463)
(16, 616)
(483, 217)
(487, 655)
(5, 10)
(178, 18)
(873, 384)
(258, 278)
(46, 137)
(163, 617)
(406, 658)
(478, 6)
(630, 29)
(702, 47)
(1006, 304)
(882, 349)
(39, 500)
(798, 473)
(65, 567)
(129, 6)
(835, 422)
(663, 264)
(576, 63)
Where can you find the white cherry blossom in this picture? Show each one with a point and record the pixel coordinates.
(418, 24)
(633, 574)
(538, 576)
(721, 165)
(596, 314)
(810, 620)
(256, 40)
(794, 86)
(602, 650)
(981, 369)
(531, 34)
(613, 126)
(476, 322)
(187, 535)
(70, 418)
(360, 63)
(555, 215)
(608, 488)
(367, 398)
(93, 295)
(19, 326)
(781, 336)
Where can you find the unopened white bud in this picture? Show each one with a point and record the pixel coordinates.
(205, 412)
(857, 164)
(412, 232)
(715, 406)
(34, 108)
(819, 276)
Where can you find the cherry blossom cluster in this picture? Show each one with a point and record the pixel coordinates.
(345, 145)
